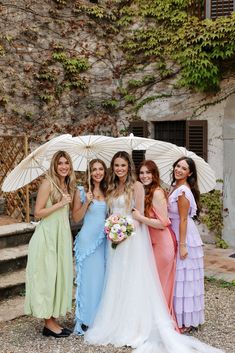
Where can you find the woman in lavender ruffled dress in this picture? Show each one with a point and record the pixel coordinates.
(183, 205)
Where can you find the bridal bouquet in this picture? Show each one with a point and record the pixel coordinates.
(118, 228)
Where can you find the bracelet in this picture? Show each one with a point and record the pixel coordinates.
(182, 243)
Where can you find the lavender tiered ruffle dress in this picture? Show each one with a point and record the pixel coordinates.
(189, 285)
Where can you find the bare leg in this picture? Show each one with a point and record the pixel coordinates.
(52, 325)
(56, 323)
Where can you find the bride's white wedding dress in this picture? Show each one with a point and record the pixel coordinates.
(133, 311)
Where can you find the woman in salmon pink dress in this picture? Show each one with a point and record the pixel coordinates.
(162, 237)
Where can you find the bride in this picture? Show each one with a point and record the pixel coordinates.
(133, 311)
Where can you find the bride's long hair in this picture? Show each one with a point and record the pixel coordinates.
(113, 181)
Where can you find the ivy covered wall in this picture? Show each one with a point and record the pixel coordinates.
(80, 67)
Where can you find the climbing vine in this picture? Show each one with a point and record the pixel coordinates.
(212, 215)
(166, 32)
(55, 64)
(72, 67)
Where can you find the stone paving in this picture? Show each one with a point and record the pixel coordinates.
(218, 265)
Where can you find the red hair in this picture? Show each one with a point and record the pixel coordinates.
(149, 189)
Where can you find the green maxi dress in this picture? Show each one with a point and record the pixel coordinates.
(49, 272)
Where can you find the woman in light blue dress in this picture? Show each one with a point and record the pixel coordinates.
(90, 245)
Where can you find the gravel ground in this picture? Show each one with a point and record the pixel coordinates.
(24, 334)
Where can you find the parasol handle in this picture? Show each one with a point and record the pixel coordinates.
(89, 176)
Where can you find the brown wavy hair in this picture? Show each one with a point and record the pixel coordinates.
(191, 179)
(149, 189)
(103, 183)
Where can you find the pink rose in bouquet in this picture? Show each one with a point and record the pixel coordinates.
(118, 228)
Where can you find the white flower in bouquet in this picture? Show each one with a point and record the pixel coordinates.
(118, 228)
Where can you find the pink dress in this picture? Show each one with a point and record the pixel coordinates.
(189, 284)
(164, 247)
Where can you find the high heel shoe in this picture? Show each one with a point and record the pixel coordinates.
(47, 332)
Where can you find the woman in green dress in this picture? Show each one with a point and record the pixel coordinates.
(49, 272)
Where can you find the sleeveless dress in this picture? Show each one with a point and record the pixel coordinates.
(189, 286)
(164, 248)
(49, 271)
(133, 311)
(89, 250)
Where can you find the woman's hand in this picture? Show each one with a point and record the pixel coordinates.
(136, 214)
(66, 199)
(89, 197)
(183, 251)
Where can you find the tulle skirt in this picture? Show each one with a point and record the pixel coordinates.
(133, 310)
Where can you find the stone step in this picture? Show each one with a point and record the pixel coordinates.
(12, 259)
(12, 284)
(15, 234)
(5, 219)
(11, 308)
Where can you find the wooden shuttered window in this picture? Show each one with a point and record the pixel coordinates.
(191, 134)
(171, 131)
(211, 8)
(218, 8)
(138, 128)
(196, 137)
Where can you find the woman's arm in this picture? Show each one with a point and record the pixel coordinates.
(183, 208)
(79, 208)
(40, 210)
(160, 206)
(159, 202)
(139, 196)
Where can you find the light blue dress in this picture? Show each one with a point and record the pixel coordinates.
(89, 248)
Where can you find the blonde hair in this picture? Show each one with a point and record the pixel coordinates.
(53, 177)
(113, 181)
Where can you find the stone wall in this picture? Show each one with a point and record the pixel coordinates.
(43, 43)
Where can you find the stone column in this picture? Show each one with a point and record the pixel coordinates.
(229, 170)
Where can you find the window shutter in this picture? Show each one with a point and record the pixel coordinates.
(138, 128)
(196, 137)
(218, 8)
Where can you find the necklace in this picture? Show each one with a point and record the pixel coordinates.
(98, 195)
(64, 189)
